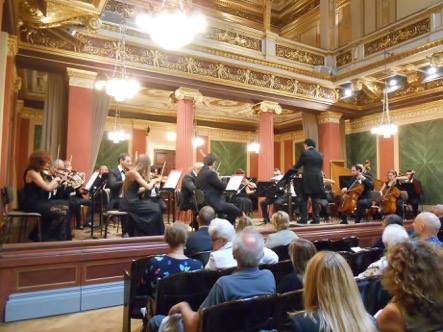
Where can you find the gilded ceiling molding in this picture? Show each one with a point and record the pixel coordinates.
(187, 94)
(328, 117)
(12, 45)
(398, 36)
(30, 114)
(152, 59)
(267, 106)
(296, 136)
(299, 55)
(81, 78)
(343, 58)
(233, 38)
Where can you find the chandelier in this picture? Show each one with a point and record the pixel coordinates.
(197, 142)
(253, 147)
(385, 128)
(117, 135)
(119, 86)
(172, 27)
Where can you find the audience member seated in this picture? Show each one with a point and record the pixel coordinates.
(200, 240)
(300, 252)
(390, 219)
(414, 279)
(283, 236)
(174, 261)
(438, 211)
(392, 235)
(242, 222)
(221, 233)
(332, 301)
(426, 226)
(248, 281)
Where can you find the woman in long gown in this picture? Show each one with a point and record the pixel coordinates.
(36, 198)
(145, 216)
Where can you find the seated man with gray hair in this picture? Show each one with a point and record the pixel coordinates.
(248, 281)
(438, 211)
(426, 226)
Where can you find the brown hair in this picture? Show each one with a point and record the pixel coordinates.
(300, 252)
(38, 160)
(176, 234)
(142, 165)
(242, 223)
(414, 277)
(280, 220)
(330, 290)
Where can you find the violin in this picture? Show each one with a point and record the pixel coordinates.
(389, 198)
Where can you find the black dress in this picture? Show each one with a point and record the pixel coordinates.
(242, 201)
(145, 216)
(55, 212)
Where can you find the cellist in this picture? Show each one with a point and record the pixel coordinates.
(390, 191)
(364, 201)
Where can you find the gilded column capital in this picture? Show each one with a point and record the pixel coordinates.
(186, 94)
(329, 117)
(267, 106)
(17, 84)
(12, 45)
(81, 78)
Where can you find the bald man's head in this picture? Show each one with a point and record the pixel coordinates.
(426, 224)
(438, 210)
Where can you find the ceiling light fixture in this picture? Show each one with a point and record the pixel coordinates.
(117, 135)
(348, 93)
(432, 70)
(253, 147)
(173, 26)
(197, 142)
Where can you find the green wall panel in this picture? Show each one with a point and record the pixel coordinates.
(109, 152)
(361, 147)
(298, 150)
(231, 154)
(38, 129)
(420, 149)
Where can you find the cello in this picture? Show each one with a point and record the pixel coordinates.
(389, 197)
(351, 196)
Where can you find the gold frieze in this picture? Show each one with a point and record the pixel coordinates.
(233, 38)
(344, 58)
(299, 55)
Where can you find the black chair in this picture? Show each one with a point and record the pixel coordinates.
(279, 269)
(110, 214)
(323, 245)
(248, 315)
(345, 244)
(374, 296)
(287, 303)
(282, 252)
(192, 287)
(135, 291)
(202, 256)
(9, 216)
(359, 261)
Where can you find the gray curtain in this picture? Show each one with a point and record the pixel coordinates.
(310, 126)
(55, 116)
(99, 113)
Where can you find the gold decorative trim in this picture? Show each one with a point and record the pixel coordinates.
(12, 45)
(398, 36)
(234, 38)
(267, 106)
(329, 117)
(296, 136)
(81, 78)
(31, 114)
(343, 58)
(187, 94)
(17, 84)
(299, 55)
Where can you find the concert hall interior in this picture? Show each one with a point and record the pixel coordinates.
(144, 139)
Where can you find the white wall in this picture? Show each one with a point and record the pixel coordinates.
(408, 7)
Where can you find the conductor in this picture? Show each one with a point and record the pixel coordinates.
(312, 182)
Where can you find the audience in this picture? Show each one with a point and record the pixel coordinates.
(200, 240)
(392, 235)
(426, 226)
(248, 281)
(243, 222)
(438, 211)
(174, 261)
(300, 252)
(414, 278)
(221, 233)
(390, 219)
(332, 301)
(283, 236)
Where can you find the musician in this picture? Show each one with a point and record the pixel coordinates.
(312, 182)
(242, 198)
(275, 197)
(388, 186)
(327, 199)
(187, 192)
(35, 198)
(364, 200)
(102, 170)
(414, 190)
(145, 216)
(116, 177)
(213, 188)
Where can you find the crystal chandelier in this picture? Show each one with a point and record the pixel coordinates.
(117, 135)
(120, 86)
(385, 128)
(197, 141)
(253, 147)
(172, 27)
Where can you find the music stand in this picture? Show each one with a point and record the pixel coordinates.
(170, 186)
(234, 183)
(264, 187)
(94, 192)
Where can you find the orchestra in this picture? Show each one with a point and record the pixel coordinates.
(58, 192)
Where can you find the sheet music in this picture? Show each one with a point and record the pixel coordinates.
(91, 181)
(173, 178)
(234, 182)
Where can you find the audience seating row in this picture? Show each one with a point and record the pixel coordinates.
(344, 244)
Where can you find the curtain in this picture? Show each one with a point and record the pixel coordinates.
(100, 111)
(55, 116)
(310, 126)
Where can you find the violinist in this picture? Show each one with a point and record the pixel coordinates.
(414, 189)
(243, 196)
(274, 197)
(390, 193)
(187, 192)
(39, 184)
(364, 201)
(154, 193)
(145, 216)
(213, 188)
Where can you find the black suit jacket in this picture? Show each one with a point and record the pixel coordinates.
(187, 191)
(367, 183)
(213, 188)
(312, 162)
(115, 183)
(199, 241)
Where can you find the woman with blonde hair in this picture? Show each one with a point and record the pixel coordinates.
(332, 301)
(284, 235)
(145, 216)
